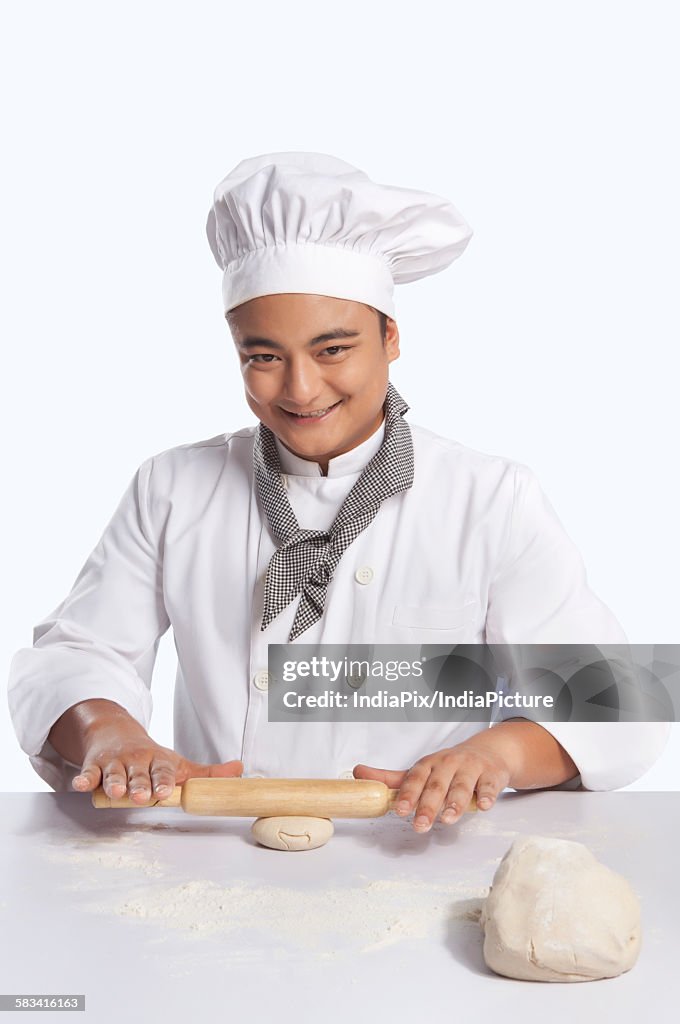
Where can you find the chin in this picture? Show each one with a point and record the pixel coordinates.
(315, 449)
(309, 450)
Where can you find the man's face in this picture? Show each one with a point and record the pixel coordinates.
(315, 369)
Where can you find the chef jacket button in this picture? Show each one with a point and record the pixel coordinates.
(364, 575)
(346, 775)
(261, 680)
(356, 681)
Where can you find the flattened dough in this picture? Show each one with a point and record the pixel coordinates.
(555, 913)
(292, 833)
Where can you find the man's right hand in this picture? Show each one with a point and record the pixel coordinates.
(116, 752)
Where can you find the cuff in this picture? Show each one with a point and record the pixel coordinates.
(36, 705)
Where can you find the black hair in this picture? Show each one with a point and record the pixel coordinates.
(382, 318)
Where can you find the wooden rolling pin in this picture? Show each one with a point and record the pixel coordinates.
(270, 798)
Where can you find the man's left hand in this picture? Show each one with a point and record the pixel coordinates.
(443, 783)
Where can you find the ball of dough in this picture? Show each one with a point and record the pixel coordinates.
(555, 913)
(292, 833)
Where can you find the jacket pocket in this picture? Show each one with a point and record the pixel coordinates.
(424, 617)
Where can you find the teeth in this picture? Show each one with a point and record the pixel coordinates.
(307, 415)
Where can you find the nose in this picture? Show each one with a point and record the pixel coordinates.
(302, 383)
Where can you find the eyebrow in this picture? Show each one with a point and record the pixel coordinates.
(338, 332)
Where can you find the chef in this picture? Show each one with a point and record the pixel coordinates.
(333, 520)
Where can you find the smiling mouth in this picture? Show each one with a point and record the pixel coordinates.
(315, 415)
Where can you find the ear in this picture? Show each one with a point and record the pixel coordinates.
(391, 340)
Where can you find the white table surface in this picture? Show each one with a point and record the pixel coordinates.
(59, 855)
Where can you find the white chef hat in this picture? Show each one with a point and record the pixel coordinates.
(308, 222)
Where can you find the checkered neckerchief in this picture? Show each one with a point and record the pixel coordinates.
(307, 559)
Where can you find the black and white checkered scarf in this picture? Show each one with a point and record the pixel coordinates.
(307, 559)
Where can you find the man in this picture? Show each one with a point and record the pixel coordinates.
(333, 521)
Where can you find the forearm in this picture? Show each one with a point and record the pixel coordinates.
(69, 734)
(533, 755)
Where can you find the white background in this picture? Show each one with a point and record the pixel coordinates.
(553, 340)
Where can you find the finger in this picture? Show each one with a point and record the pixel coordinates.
(411, 788)
(392, 779)
(114, 779)
(88, 779)
(139, 782)
(488, 787)
(162, 776)
(458, 797)
(432, 799)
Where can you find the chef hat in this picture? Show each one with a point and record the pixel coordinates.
(308, 222)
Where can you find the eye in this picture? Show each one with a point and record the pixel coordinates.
(262, 357)
(334, 350)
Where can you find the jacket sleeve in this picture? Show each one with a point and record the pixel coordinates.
(540, 595)
(101, 641)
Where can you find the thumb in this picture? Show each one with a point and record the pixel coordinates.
(194, 770)
(392, 780)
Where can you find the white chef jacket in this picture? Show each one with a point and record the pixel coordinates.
(472, 553)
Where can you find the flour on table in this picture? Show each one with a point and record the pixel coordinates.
(120, 854)
(365, 917)
(326, 921)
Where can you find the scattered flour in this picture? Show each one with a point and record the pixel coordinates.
(119, 852)
(115, 878)
(362, 918)
(485, 827)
